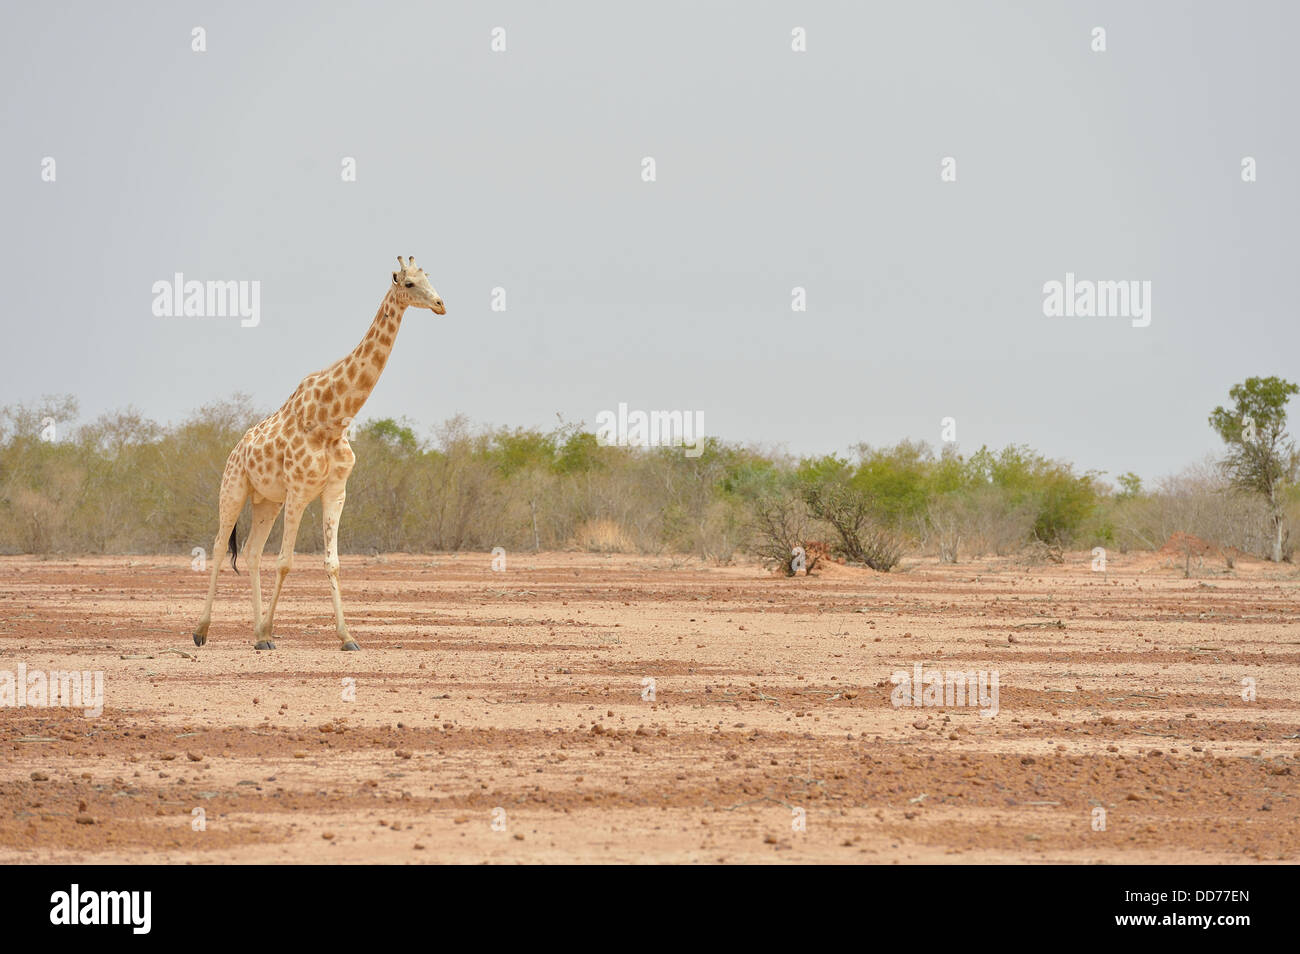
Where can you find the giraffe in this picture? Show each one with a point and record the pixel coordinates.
(301, 452)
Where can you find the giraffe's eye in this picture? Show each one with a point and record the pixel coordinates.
(410, 284)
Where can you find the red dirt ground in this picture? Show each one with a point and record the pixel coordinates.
(516, 697)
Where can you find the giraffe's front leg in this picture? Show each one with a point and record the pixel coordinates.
(331, 510)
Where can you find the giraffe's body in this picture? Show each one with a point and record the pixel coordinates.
(301, 452)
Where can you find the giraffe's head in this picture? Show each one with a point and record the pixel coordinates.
(413, 290)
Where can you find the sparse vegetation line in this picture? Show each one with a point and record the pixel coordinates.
(125, 484)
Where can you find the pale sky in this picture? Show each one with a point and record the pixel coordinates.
(775, 169)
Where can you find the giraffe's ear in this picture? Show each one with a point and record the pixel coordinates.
(394, 278)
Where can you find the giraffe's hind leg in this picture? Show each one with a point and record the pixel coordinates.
(234, 489)
(264, 514)
(294, 505)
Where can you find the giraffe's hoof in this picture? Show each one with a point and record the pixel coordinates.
(265, 644)
(200, 639)
(351, 647)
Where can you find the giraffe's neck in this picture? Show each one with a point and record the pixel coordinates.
(363, 366)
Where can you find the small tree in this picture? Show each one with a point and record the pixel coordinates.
(1261, 456)
(1130, 486)
(834, 496)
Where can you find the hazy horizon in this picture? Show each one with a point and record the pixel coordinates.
(522, 170)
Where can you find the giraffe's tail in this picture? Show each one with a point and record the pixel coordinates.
(233, 549)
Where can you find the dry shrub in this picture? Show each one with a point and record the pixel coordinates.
(37, 519)
(944, 528)
(878, 546)
(1039, 552)
(602, 536)
(977, 523)
(779, 522)
(1195, 507)
(996, 525)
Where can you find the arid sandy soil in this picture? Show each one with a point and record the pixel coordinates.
(523, 691)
